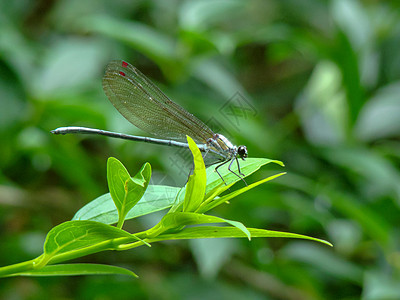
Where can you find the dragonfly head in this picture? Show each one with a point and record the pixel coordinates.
(242, 152)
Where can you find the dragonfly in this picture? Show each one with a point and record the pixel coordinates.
(144, 105)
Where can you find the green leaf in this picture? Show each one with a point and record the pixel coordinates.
(248, 167)
(74, 235)
(102, 209)
(77, 269)
(203, 232)
(124, 190)
(179, 219)
(216, 186)
(225, 198)
(196, 186)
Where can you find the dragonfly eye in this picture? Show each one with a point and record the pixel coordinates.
(242, 151)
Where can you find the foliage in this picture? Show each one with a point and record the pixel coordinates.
(76, 238)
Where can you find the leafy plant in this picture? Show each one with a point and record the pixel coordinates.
(90, 230)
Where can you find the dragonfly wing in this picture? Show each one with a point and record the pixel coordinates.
(144, 105)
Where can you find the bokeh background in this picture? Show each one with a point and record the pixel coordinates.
(320, 84)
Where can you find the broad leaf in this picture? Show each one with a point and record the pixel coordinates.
(179, 219)
(203, 232)
(225, 198)
(248, 167)
(102, 209)
(74, 235)
(215, 185)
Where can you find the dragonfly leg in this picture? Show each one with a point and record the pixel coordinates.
(229, 168)
(220, 165)
(238, 165)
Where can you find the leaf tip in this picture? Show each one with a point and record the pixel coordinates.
(111, 159)
(189, 139)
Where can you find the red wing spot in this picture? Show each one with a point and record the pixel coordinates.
(124, 64)
(121, 73)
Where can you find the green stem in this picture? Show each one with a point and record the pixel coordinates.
(103, 246)
(120, 221)
(44, 259)
(18, 268)
(131, 245)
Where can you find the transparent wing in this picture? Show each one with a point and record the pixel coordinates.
(145, 106)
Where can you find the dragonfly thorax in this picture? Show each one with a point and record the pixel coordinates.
(220, 144)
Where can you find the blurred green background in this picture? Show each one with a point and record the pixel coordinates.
(320, 85)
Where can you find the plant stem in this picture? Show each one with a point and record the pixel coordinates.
(18, 268)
